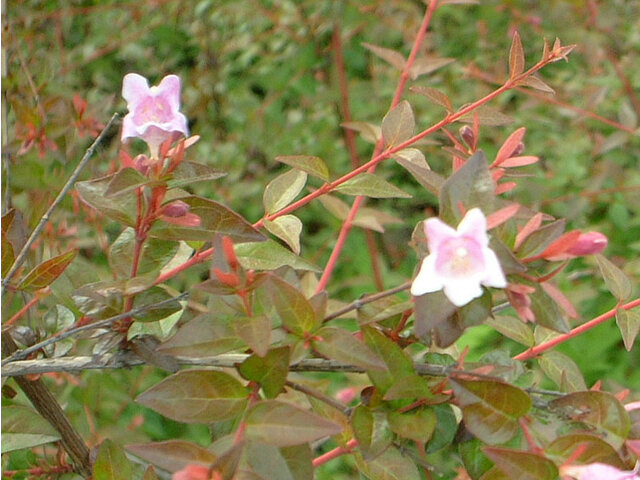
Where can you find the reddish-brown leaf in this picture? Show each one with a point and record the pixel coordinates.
(45, 273)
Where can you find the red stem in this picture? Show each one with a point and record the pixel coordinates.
(328, 187)
(350, 141)
(39, 471)
(543, 347)
(23, 310)
(348, 223)
(335, 453)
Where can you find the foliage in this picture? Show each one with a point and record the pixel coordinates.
(248, 286)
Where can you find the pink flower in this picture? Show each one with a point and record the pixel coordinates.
(599, 471)
(459, 260)
(153, 111)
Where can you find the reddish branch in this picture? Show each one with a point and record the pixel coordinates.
(335, 453)
(543, 347)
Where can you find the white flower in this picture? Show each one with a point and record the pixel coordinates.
(459, 261)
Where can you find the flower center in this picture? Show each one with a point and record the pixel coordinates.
(459, 257)
(153, 110)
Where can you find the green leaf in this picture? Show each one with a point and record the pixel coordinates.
(255, 331)
(600, 410)
(368, 131)
(156, 253)
(522, 465)
(370, 185)
(341, 345)
(270, 370)
(435, 319)
(398, 124)
(470, 186)
(121, 208)
(149, 297)
(417, 424)
(22, 428)
(197, 396)
(215, 218)
(314, 166)
(427, 178)
(99, 300)
(283, 189)
(270, 462)
(486, 116)
(436, 96)
(593, 449)
(398, 363)
(616, 280)
(413, 386)
(284, 425)
(629, 324)
(205, 336)
(111, 463)
(44, 274)
(537, 84)
(125, 181)
(490, 408)
(150, 473)
(446, 428)
(546, 311)
(516, 57)
(172, 455)
(372, 431)
(391, 56)
(428, 64)
(562, 370)
(513, 328)
(382, 309)
(8, 255)
(187, 173)
(476, 463)
(390, 465)
(295, 311)
(540, 239)
(288, 229)
(270, 255)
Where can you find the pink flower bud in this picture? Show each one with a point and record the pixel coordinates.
(175, 209)
(347, 394)
(588, 243)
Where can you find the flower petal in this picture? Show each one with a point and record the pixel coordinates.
(474, 225)
(437, 232)
(169, 90)
(134, 88)
(493, 275)
(461, 292)
(427, 279)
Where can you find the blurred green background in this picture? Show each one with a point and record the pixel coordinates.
(260, 80)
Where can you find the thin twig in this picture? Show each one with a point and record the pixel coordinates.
(357, 304)
(319, 395)
(45, 218)
(24, 353)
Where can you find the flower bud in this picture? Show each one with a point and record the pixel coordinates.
(466, 132)
(588, 243)
(175, 209)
